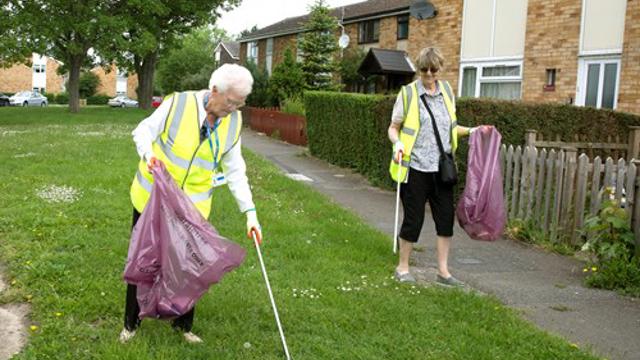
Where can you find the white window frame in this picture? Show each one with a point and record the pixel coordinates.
(581, 85)
(252, 51)
(479, 65)
(269, 55)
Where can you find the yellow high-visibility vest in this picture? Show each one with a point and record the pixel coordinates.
(188, 160)
(411, 124)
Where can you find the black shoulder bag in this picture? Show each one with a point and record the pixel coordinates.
(446, 163)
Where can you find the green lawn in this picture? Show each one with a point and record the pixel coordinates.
(66, 259)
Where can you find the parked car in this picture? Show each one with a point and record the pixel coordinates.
(122, 101)
(156, 101)
(4, 100)
(28, 98)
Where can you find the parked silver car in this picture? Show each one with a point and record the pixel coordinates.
(122, 101)
(28, 98)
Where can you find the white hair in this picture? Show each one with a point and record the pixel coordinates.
(232, 76)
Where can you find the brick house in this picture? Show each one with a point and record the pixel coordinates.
(43, 76)
(227, 52)
(583, 52)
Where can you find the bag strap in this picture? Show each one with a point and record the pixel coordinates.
(423, 97)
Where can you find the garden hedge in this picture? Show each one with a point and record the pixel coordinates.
(350, 130)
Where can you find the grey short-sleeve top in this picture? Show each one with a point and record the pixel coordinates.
(425, 153)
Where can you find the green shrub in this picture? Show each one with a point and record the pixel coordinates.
(260, 96)
(89, 83)
(616, 263)
(349, 130)
(61, 98)
(287, 80)
(293, 106)
(99, 99)
(335, 120)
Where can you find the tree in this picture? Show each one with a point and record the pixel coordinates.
(348, 69)
(260, 95)
(89, 83)
(319, 48)
(287, 80)
(189, 66)
(246, 32)
(62, 29)
(155, 26)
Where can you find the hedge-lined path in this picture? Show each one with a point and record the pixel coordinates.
(546, 287)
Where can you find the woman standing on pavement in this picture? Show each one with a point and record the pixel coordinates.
(416, 152)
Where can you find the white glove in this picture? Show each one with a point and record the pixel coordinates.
(473, 129)
(398, 147)
(253, 225)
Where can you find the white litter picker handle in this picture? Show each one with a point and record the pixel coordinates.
(395, 222)
(273, 303)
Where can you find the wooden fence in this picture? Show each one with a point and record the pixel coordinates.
(557, 189)
(290, 128)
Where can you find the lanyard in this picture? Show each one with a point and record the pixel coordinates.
(215, 135)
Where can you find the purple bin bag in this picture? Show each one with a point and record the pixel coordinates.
(480, 210)
(175, 254)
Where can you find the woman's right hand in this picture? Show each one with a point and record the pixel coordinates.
(398, 151)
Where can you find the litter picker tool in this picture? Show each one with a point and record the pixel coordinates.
(273, 303)
(395, 222)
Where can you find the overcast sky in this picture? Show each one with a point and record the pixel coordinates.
(267, 12)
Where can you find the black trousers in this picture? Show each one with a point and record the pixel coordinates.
(423, 187)
(132, 308)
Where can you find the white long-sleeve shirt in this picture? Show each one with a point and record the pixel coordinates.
(232, 162)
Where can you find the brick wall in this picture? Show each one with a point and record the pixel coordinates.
(552, 42)
(107, 81)
(16, 78)
(55, 82)
(388, 30)
(243, 53)
(629, 92)
(132, 85)
(262, 53)
(444, 31)
(280, 45)
(20, 77)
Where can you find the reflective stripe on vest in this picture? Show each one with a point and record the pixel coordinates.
(411, 125)
(189, 161)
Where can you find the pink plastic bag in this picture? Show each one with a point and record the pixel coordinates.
(481, 210)
(175, 255)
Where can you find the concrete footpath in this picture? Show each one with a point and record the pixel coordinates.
(546, 288)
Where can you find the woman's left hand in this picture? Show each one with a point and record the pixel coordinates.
(484, 128)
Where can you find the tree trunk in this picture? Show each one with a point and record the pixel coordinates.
(146, 69)
(75, 62)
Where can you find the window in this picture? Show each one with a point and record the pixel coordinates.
(493, 29)
(493, 80)
(252, 51)
(602, 26)
(39, 68)
(368, 31)
(269, 57)
(550, 84)
(403, 27)
(598, 82)
(217, 55)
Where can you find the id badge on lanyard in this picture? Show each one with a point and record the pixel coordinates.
(218, 178)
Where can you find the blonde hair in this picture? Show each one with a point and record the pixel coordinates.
(430, 57)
